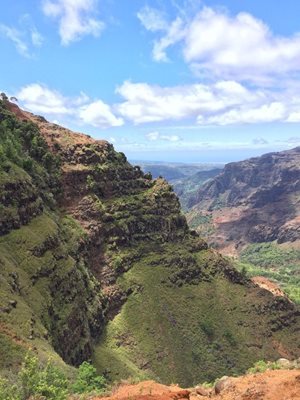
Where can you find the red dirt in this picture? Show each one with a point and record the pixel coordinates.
(265, 283)
(148, 390)
(270, 385)
(17, 111)
(53, 132)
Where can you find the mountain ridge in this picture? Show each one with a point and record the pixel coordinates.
(105, 267)
(255, 199)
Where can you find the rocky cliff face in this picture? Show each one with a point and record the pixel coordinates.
(106, 267)
(256, 200)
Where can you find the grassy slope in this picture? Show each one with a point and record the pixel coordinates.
(18, 265)
(42, 279)
(187, 332)
(183, 321)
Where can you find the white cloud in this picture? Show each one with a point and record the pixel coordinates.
(240, 47)
(145, 103)
(152, 19)
(99, 114)
(174, 34)
(76, 18)
(25, 37)
(219, 103)
(152, 136)
(16, 37)
(36, 38)
(266, 113)
(294, 117)
(40, 99)
(155, 136)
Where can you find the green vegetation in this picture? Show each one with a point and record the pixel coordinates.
(21, 145)
(46, 285)
(275, 262)
(88, 381)
(171, 309)
(202, 223)
(262, 366)
(47, 382)
(184, 302)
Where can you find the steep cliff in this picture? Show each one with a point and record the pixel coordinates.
(97, 261)
(252, 201)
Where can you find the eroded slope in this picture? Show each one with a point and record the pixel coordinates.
(106, 267)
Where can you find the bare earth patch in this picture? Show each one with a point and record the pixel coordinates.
(269, 385)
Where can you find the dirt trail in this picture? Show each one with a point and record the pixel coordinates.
(270, 385)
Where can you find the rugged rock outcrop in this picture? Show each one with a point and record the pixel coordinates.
(252, 201)
(107, 268)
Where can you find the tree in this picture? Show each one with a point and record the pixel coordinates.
(88, 380)
(3, 96)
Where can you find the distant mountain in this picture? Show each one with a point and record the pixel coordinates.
(187, 187)
(186, 179)
(256, 200)
(254, 203)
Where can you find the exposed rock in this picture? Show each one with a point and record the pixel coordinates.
(222, 384)
(252, 201)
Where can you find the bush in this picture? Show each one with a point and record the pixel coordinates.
(36, 381)
(262, 366)
(88, 380)
(47, 381)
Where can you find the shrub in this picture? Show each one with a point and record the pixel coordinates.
(88, 380)
(262, 366)
(45, 381)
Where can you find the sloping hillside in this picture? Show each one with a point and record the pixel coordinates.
(252, 210)
(97, 261)
(252, 201)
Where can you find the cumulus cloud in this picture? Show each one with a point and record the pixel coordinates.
(266, 113)
(219, 103)
(148, 103)
(154, 20)
(76, 18)
(174, 34)
(40, 99)
(99, 114)
(155, 136)
(217, 44)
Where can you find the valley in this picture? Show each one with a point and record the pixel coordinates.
(98, 263)
(251, 211)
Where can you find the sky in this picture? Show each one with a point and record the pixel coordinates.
(165, 80)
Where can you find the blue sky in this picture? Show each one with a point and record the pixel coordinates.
(163, 79)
